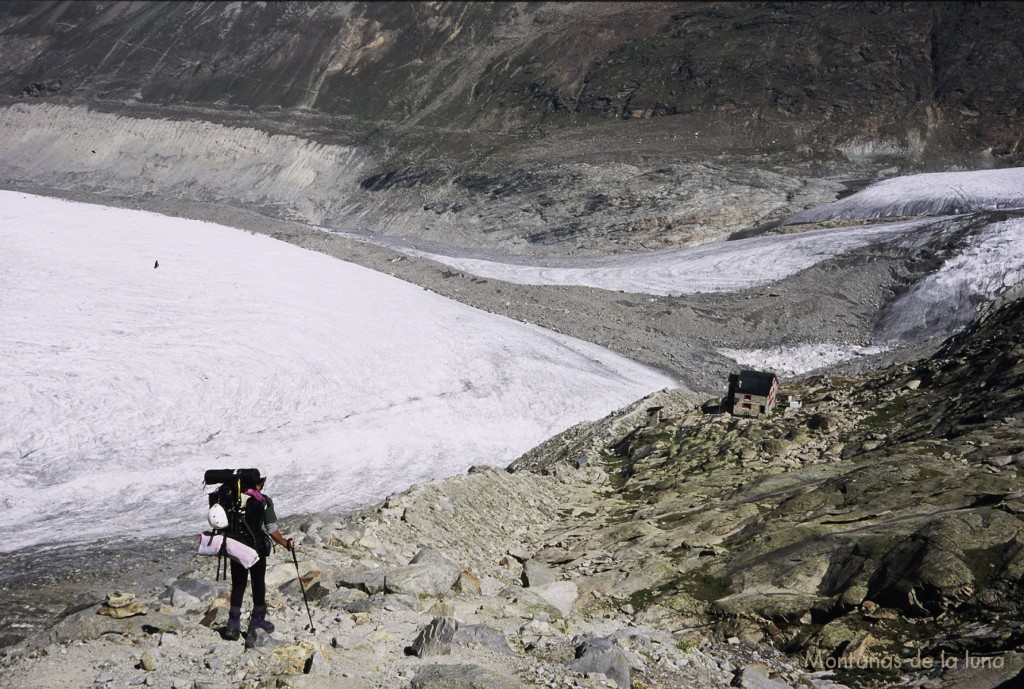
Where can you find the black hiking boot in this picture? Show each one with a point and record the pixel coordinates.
(234, 628)
(260, 621)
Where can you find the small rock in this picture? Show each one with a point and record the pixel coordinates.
(148, 661)
(188, 593)
(257, 638)
(468, 584)
(122, 611)
(119, 600)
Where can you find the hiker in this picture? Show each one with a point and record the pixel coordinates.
(261, 521)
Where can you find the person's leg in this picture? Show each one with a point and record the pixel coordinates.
(258, 572)
(239, 579)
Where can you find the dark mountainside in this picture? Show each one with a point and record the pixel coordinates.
(880, 519)
(935, 79)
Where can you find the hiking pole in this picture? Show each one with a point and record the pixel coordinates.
(295, 559)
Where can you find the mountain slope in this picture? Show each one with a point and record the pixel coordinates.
(882, 516)
(904, 77)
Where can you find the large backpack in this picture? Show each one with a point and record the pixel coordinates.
(244, 515)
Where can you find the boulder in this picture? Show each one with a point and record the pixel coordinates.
(482, 635)
(293, 659)
(339, 598)
(425, 579)
(530, 603)
(537, 574)
(189, 594)
(313, 592)
(295, 585)
(368, 581)
(279, 572)
(600, 655)
(561, 594)
(461, 677)
(432, 556)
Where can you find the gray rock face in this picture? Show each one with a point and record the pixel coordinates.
(525, 66)
(427, 579)
(369, 581)
(257, 638)
(434, 557)
(435, 638)
(755, 676)
(461, 677)
(481, 635)
(601, 655)
(537, 574)
(189, 593)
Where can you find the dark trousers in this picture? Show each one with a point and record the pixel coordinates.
(239, 578)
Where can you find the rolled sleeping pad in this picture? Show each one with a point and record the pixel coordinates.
(249, 477)
(210, 544)
(213, 476)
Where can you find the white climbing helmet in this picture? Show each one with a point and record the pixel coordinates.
(218, 517)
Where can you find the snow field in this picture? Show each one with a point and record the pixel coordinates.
(124, 382)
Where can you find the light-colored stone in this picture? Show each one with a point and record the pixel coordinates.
(537, 574)
(561, 594)
(428, 579)
(291, 659)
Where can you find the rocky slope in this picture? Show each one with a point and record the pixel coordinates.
(880, 517)
(872, 522)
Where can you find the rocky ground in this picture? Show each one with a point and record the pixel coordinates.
(867, 533)
(435, 587)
